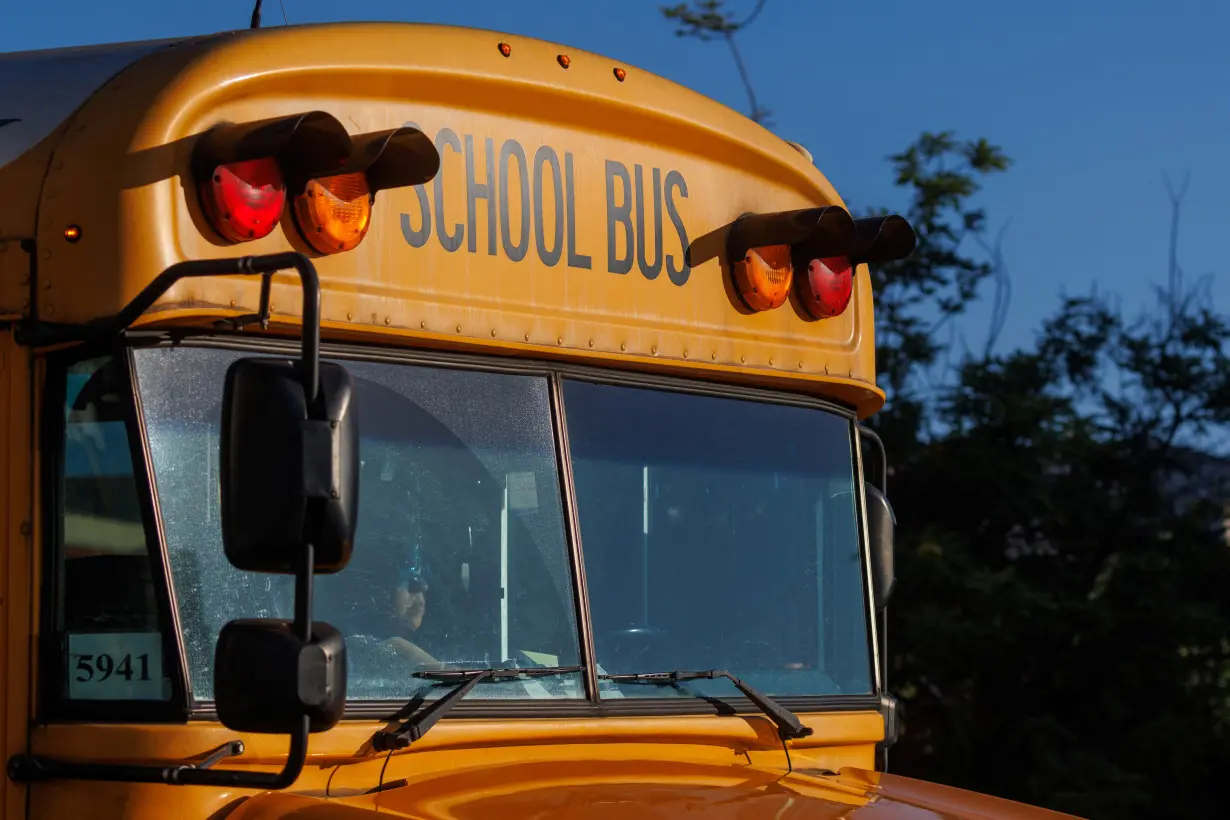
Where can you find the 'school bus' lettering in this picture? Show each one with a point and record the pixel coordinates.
(639, 201)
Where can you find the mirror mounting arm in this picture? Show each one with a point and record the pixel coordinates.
(24, 768)
(264, 266)
(38, 333)
(881, 525)
(34, 769)
(305, 579)
(880, 464)
(261, 317)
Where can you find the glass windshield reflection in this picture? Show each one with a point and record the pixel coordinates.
(460, 558)
(719, 534)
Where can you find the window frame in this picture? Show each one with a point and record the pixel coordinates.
(556, 373)
(390, 709)
(803, 703)
(53, 704)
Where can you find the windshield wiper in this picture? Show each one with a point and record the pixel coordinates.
(421, 722)
(789, 727)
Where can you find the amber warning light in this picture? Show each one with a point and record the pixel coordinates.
(333, 213)
(811, 252)
(764, 276)
(246, 172)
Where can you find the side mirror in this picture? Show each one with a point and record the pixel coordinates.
(290, 471)
(290, 495)
(266, 678)
(290, 489)
(881, 523)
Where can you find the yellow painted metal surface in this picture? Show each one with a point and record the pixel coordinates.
(707, 767)
(17, 584)
(521, 756)
(550, 178)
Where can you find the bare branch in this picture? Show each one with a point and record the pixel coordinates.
(706, 20)
(758, 114)
(751, 18)
(1176, 273)
(1003, 286)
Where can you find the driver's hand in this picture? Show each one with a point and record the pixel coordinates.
(414, 654)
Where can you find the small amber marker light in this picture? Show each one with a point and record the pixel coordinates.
(620, 74)
(564, 60)
(506, 49)
(72, 233)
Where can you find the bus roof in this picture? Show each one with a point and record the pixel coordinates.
(577, 213)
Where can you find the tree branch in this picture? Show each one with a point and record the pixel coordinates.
(705, 20)
(758, 114)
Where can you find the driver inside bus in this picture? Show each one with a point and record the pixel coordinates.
(409, 604)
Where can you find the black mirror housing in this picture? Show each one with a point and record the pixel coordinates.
(290, 476)
(881, 523)
(266, 678)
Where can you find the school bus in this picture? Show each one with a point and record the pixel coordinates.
(438, 423)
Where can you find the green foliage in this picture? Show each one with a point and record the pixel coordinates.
(1061, 631)
(704, 19)
(940, 278)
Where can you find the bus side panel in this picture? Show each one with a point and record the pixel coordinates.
(16, 582)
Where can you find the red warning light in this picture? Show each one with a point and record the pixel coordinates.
(826, 287)
(244, 200)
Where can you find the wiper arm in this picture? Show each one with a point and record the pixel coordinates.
(789, 727)
(421, 722)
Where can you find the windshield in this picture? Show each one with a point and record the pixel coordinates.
(716, 533)
(719, 534)
(460, 558)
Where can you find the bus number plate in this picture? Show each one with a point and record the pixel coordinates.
(115, 666)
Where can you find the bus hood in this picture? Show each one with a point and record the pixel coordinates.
(663, 792)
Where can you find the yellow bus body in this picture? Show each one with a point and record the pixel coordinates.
(532, 277)
(118, 170)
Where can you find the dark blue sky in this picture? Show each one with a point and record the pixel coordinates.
(1093, 100)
